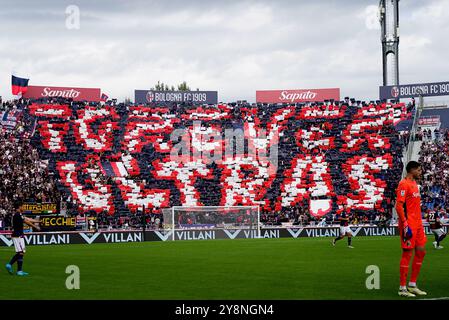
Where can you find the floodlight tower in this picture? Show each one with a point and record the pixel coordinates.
(389, 21)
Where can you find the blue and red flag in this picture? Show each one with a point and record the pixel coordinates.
(104, 97)
(19, 85)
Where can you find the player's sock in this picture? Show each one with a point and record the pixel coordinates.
(19, 263)
(440, 239)
(403, 270)
(14, 259)
(349, 241)
(412, 284)
(402, 288)
(416, 265)
(338, 238)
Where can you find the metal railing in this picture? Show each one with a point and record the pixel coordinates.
(411, 139)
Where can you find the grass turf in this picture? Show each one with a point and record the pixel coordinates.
(254, 269)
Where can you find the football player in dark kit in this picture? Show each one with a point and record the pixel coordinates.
(345, 230)
(436, 227)
(19, 242)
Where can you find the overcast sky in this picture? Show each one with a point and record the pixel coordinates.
(234, 47)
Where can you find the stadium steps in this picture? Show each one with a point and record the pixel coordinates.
(416, 150)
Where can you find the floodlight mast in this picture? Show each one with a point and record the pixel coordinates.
(389, 21)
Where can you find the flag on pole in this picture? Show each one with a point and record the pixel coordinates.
(104, 97)
(19, 85)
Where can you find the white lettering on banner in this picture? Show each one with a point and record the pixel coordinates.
(304, 95)
(44, 239)
(270, 234)
(120, 237)
(250, 234)
(196, 97)
(414, 90)
(316, 233)
(169, 97)
(194, 235)
(433, 89)
(444, 88)
(379, 231)
(48, 92)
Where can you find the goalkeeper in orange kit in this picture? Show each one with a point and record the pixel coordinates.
(413, 238)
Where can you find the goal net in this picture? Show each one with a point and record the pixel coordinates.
(238, 217)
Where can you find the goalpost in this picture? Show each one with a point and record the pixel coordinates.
(207, 217)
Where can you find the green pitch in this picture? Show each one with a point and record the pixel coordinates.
(291, 269)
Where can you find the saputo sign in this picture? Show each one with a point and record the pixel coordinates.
(77, 94)
(297, 96)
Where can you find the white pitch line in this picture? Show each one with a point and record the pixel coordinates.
(442, 298)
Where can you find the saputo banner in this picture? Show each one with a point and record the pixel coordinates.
(77, 94)
(297, 96)
(196, 97)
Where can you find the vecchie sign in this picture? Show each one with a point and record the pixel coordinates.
(196, 97)
(77, 94)
(56, 223)
(414, 90)
(297, 96)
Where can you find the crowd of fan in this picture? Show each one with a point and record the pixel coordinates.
(300, 216)
(130, 222)
(434, 157)
(26, 177)
(428, 134)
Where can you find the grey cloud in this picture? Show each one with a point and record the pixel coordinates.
(233, 46)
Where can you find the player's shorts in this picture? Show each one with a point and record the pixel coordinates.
(19, 244)
(418, 238)
(438, 232)
(344, 230)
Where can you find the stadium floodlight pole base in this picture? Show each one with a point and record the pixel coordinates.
(214, 217)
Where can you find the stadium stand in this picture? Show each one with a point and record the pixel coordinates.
(23, 175)
(112, 160)
(434, 156)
